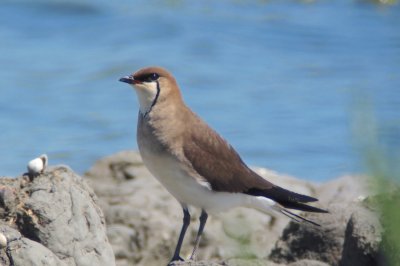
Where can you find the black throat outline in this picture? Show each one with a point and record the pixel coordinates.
(155, 99)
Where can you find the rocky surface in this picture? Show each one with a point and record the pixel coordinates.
(144, 221)
(53, 219)
(349, 235)
(56, 219)
(344, 238)
(363, 236)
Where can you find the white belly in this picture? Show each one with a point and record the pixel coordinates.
(186, 189)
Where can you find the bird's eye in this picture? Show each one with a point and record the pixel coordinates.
(153, 77)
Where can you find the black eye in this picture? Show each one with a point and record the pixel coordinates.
(153, 77)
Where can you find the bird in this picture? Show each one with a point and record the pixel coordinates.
(195, 164)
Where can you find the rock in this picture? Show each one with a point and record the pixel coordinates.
(229, 262)
(301, 241)
(29, 252)
(362, 240)
(23, 251)
(349, 235)
(248, 262)
(308, 263)
(56, 221)
(197, 263)
(3, 241)
(144, 220)
(343, 189)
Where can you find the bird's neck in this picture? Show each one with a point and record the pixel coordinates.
(147, 99)
(168, 119)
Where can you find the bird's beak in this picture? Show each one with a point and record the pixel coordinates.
(129, 80)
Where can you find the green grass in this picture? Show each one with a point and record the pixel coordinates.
(382, 163)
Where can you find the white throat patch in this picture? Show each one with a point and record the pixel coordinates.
(146, 92)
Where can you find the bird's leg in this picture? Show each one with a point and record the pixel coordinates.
(186, 222)
(203, 220)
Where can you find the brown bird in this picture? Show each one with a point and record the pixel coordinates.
(194, 163)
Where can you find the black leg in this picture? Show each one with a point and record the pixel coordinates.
(186, 222)
(203, 220)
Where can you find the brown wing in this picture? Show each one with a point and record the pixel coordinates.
(221, 166)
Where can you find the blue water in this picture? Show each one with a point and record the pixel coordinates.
(278, 79)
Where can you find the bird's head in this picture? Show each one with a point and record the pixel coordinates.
(152, 85)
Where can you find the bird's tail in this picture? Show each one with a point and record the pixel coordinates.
(296, 217)
(301, 207)
(280, 200)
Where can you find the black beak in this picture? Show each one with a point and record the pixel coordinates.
(128, 79)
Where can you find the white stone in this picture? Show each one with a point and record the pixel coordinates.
(38, 165)
(3, 240)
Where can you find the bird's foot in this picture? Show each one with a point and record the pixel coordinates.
(175, 259)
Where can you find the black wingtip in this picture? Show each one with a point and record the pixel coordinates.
(281, 195)
(302, 207)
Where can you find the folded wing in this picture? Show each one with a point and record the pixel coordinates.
(223, 169)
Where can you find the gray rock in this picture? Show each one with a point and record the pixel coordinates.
(362, 240)
(343, 189)
(23, 251)
(248, 262)
(55, 219)
(349, 235)
(122, 237)
(58, 219)
(308, 263)
(144, 220)
(308, 242)
(198, 263)
(28, 252)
